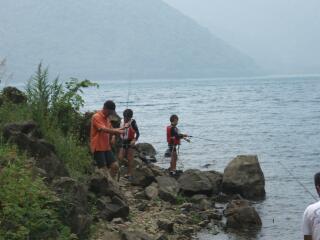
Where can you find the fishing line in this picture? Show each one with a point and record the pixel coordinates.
(297, 180)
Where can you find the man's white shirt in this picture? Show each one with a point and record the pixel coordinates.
(311, 221)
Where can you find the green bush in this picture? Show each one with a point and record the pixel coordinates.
(27, 206)
(56, 107)
(55, 104)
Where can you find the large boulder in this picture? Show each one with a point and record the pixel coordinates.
(102, 184)
(112, 207)
(168, 188)
(13, 95)
(194, 181)
(146, 148)
(25, 136)
(74, 203)
(244, 176)
(142, 176)
(242, 216)
(146, 152)
(30, 128)
(111, 200)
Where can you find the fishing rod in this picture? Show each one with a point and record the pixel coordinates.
(297, 180)
(206, 139)
(128, 95)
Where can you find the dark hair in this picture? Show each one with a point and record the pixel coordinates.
(173, 117)
(110, 105)
(128, 113)
(317, 179)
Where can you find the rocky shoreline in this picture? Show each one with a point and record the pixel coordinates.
(153, 205)
(170, 208)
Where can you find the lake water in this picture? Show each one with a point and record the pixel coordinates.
(275, 118)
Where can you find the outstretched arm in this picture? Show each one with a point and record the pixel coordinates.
(100, 126)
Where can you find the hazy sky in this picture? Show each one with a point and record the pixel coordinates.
(281, 35)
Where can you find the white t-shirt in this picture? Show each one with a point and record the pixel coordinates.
(311, 221)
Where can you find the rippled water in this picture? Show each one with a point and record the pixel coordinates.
(275, 118)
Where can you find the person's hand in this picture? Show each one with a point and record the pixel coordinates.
(119, 131)
(185, 135)
(133, 142)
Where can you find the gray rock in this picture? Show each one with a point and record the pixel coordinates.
(211, 214)
(102, 184)
(110, 236)
(151, 192)
(163, 237)
(142, 206)
(168, 188)
(13, 95)
(165, 225)
(198, 197)
(186, 206)
(116, 209)
(117, 221)
(25, 135)
(135, 235)
(194, 181)
(142, 176)
(189, 230)
(204, 223)
(204, 204)
(157, 171)
(146, 148)
(140, 195)
(243, 175)
(242, 216)
(73, 197)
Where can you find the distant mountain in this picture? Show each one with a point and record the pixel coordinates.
(106, 39)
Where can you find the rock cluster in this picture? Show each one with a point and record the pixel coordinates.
(177, 208)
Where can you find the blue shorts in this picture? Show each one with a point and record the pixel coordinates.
(104, 158)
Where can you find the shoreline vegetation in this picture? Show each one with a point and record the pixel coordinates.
(50, 188)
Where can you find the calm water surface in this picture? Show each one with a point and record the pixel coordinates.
(275, 118)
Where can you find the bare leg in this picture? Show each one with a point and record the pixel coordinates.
(173, 163)
(121, 154)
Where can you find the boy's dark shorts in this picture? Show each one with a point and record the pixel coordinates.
(170, 150)
(104, 158)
